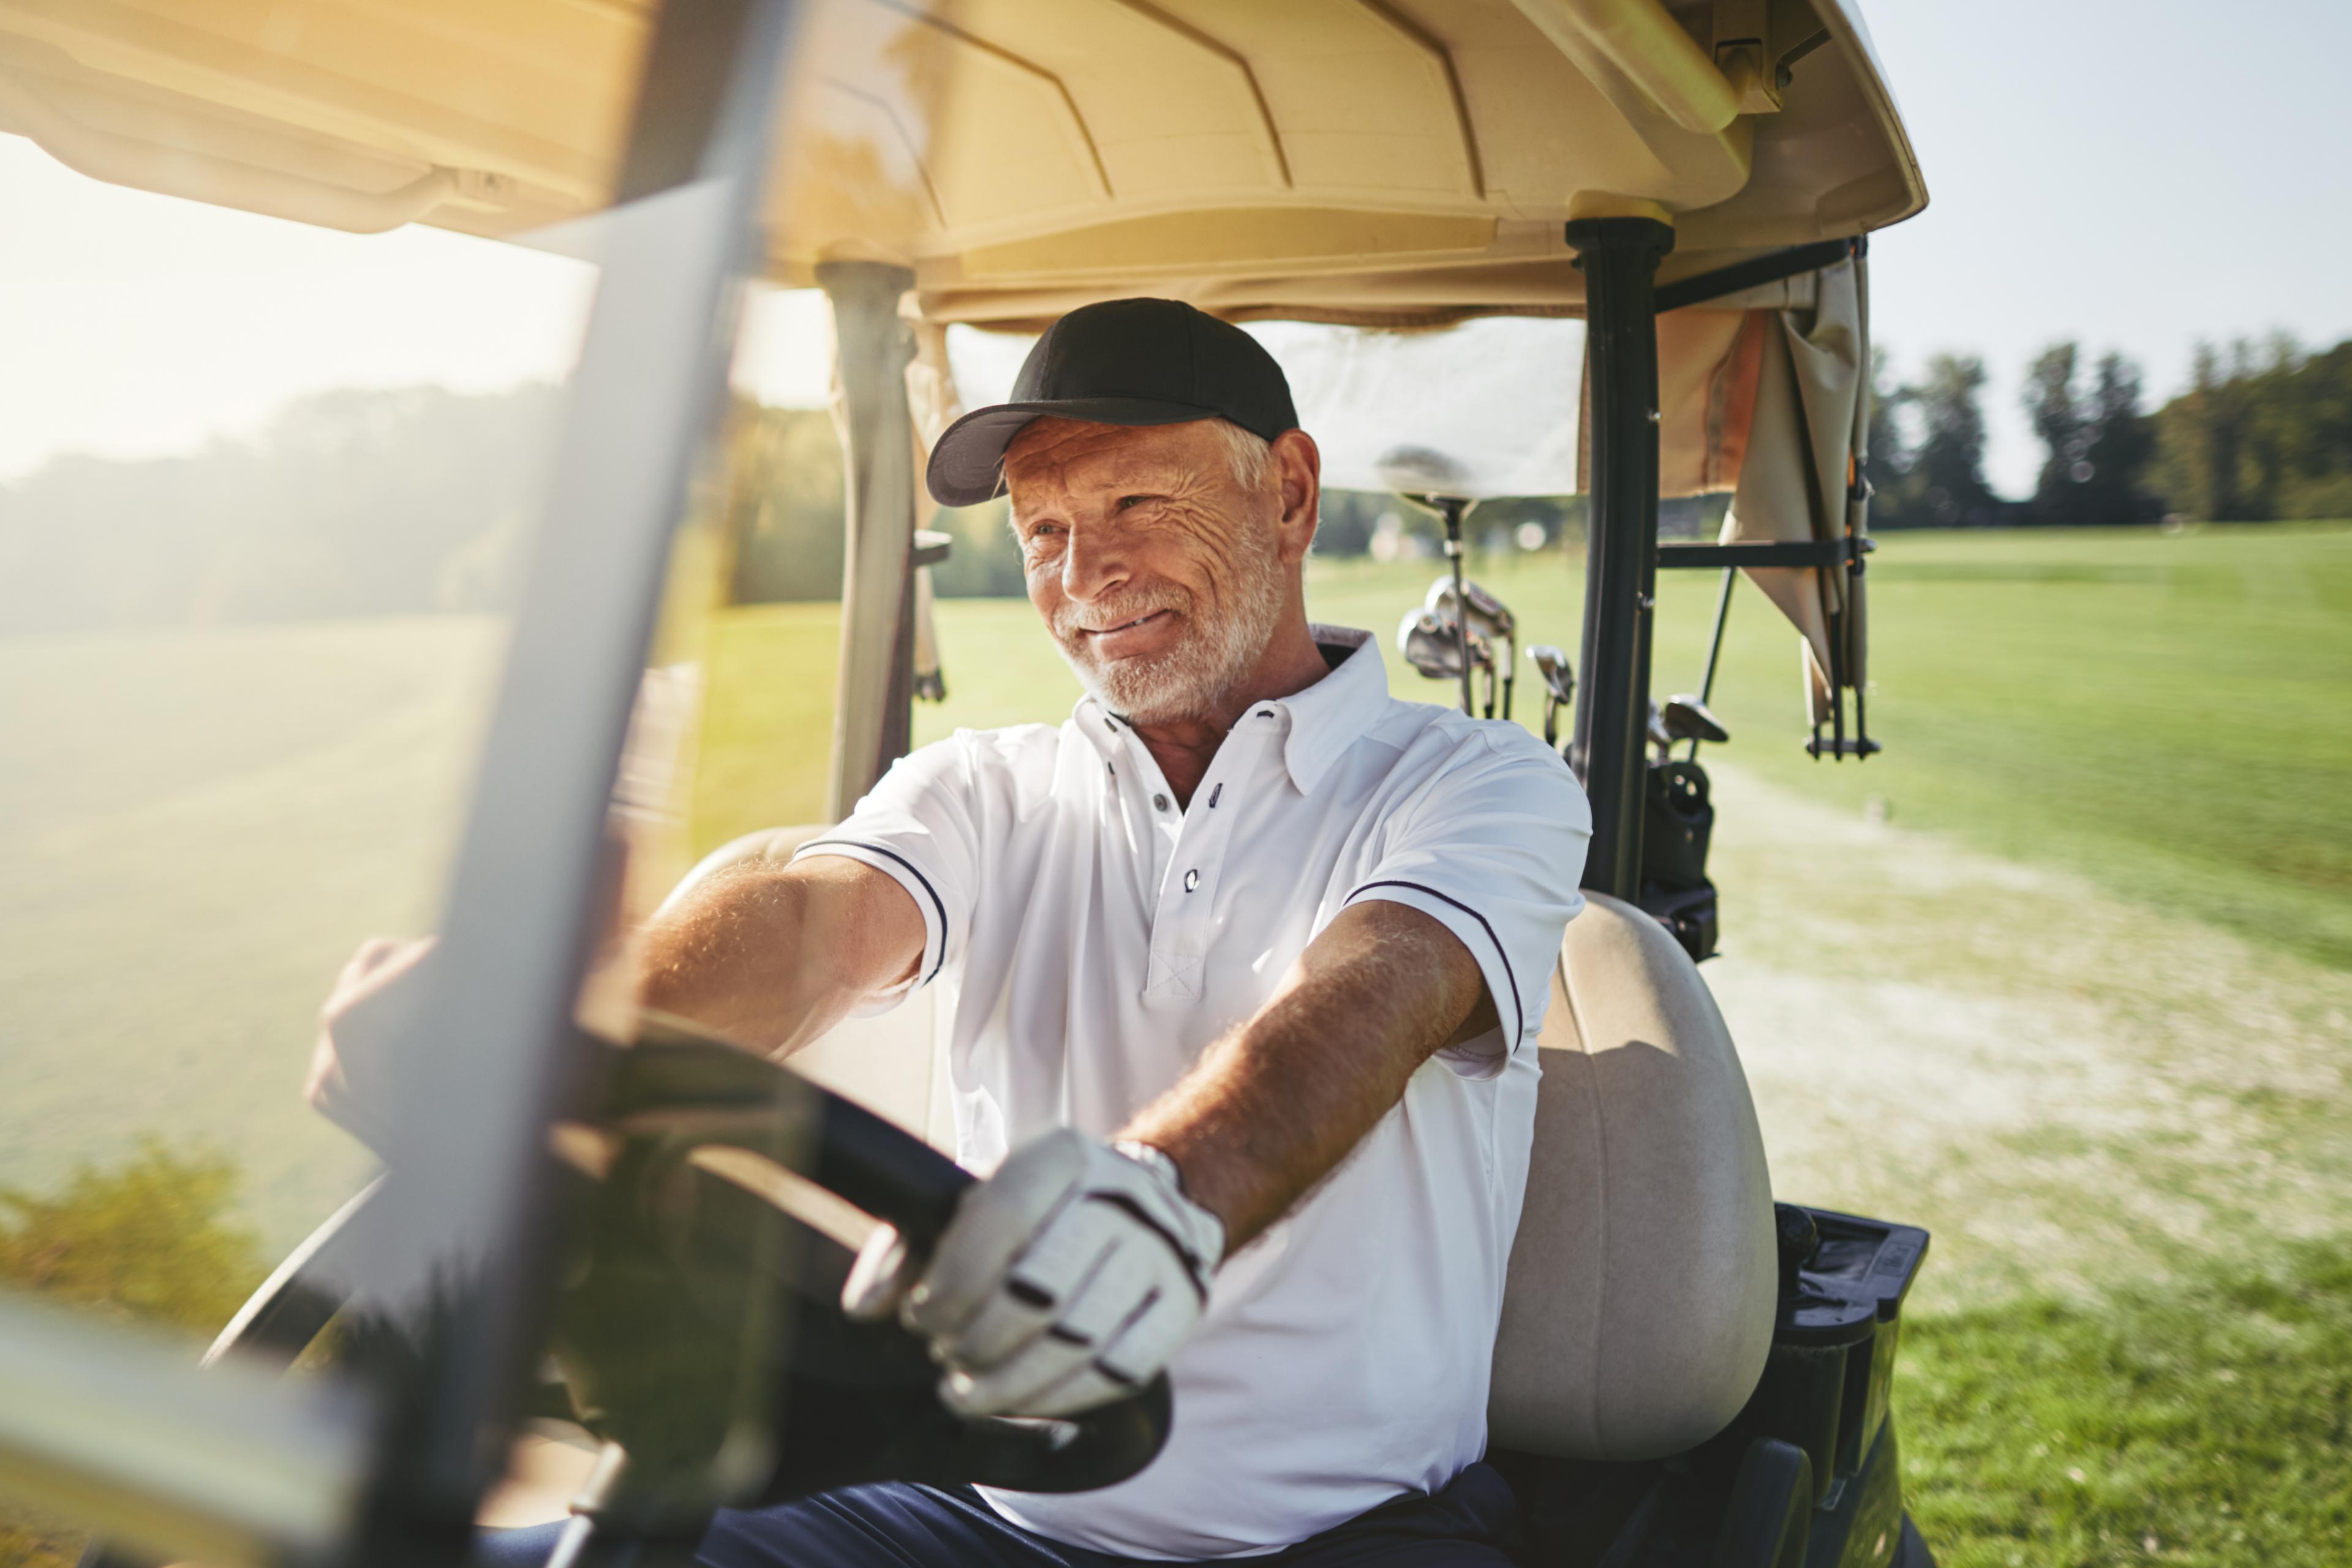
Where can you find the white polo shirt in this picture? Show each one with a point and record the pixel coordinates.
(1094, 938)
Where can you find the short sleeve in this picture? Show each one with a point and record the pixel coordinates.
(1492, 849)
(920, 825)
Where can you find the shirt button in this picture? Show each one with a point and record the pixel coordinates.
(1192, 880)
(1160, 802)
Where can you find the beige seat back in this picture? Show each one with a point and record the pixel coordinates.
(1639, 1305)
(888, 1063)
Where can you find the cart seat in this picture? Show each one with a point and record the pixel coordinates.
(1638, 1308)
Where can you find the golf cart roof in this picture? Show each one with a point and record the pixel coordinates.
(1381, 162)
(1392, 162)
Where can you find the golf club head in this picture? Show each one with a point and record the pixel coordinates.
(1660, 736)
(1428, 642)
(1422, 474)
(1489, 616)
(1552, 665)
(1686, 718)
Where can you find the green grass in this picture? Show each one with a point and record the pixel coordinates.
(195, 828)
(764, 756)
(2207, 1420)
(2169, 715)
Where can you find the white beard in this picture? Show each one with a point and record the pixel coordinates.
(1190, 680)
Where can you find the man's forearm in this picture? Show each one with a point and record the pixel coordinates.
(1272, 1106)
(772, 957)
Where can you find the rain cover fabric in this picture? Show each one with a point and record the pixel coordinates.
(1792, 483)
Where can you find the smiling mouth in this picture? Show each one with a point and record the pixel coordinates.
(1143, 620)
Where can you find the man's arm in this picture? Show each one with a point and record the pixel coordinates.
(774, 956)
(1071, 1276)
(769, 956)
(1272, 1108)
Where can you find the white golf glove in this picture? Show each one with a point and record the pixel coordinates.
(1066, 1280)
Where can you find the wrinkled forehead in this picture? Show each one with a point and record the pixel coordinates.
(1054, 456)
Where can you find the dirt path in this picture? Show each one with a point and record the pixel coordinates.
(2065, 1088)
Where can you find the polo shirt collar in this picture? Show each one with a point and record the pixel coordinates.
(1334, 713)
(1322, 721)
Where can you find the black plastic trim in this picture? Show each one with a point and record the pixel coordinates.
(1788, 553)
(1699, 288)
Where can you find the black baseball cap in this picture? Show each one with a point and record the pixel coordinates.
(1123, 362)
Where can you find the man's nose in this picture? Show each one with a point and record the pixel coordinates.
(1094, 563)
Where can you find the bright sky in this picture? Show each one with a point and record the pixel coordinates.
(2132, 173)
(2136, 173)
(133, 324)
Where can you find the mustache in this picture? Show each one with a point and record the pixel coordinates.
(1072, 621)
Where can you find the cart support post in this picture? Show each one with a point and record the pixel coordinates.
(872, 709)
(1618, 258)
(486, 1055)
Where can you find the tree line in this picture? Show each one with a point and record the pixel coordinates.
(355, 502)
(2263, 432)
(423, 501)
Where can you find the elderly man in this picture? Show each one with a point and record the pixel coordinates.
(1242, 965)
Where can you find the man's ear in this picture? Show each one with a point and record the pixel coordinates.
(1298, 471)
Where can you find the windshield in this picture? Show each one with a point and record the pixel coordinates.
(265, 497)
(268, 498)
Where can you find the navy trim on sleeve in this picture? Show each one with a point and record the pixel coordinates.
(913, 871)
(1518, 1005)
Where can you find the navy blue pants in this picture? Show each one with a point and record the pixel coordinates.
(897, 1524)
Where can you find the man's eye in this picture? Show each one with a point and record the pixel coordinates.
(1127, 501)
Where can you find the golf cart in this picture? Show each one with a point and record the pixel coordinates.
(612, 1222)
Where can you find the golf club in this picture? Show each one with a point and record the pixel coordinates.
(1660, 737)
(1431, 480)
(1488, 617)
(1688, 718)
(1435, 644)
(1683, 718)
(1560, 686)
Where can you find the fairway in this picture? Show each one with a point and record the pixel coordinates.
(2064, 976)
(199, 824)
(2168, 715)
(197, 828)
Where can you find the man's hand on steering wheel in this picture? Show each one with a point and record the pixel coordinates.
(348, 1060)
(1066, 1280)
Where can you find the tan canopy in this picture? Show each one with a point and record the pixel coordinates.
(1388, 161)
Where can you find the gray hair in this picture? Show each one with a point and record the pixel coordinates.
(1250, 454)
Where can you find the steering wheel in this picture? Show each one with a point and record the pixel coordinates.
(699, 1329)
